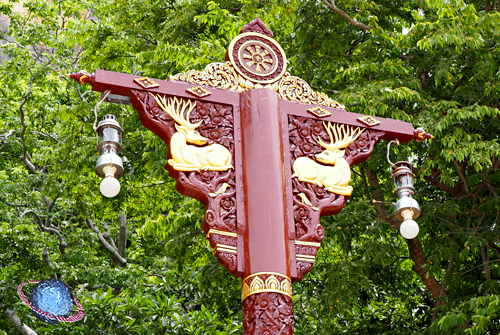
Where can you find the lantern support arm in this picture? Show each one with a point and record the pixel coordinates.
(122, 84)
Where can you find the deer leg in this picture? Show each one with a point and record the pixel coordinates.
(312, 181)
(185, 167)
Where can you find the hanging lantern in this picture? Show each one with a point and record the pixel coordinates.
(407, 208)
(109, 165)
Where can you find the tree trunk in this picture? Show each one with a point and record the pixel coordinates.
(17, 322)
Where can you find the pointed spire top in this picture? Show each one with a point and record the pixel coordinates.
(257, 26)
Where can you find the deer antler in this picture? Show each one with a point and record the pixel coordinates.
(340, 136)
(176, 109)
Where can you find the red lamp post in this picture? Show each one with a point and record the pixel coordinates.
(264, 153)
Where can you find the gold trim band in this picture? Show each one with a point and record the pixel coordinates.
(225, 248)
(220, 232)
(314, 244)
(266, 273)
(271, 284)
(305, 258)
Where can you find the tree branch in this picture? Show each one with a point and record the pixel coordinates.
(485, 253)
(382, 212)
(46, 258)
(17, 322)
(121, 261)
(24, 157)
(122, 237)
(45, 135)
(6, 135)
(107, 234)
(352, 21)
(460, 172)
(443, 286)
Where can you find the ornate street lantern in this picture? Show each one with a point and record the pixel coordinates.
(109, 165)
(407, 208)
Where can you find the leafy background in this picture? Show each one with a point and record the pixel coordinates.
(433, 63)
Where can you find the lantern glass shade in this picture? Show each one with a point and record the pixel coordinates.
(404, 180)
(110, 134)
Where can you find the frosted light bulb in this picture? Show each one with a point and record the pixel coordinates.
(409, 229)
(110, 187)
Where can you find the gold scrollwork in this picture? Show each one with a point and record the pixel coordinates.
(218, 75)
(224, 76)
(275, 282)
(297, 89)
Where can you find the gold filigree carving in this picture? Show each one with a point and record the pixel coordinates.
(199, 91)
(186, 148)
(275, 282)
(368, 120)
(297, 89)
(218, 75)
(336, 175)
(146, 82)
(319, 112)
(223, 75)
(221, 190)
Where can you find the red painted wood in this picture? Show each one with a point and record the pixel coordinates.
(393, 128)
(122, 83)
(265, 202)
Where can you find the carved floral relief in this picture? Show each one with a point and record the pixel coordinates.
(268, 314)
(215, 189)
(310, 200)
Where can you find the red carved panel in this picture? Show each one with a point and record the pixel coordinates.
(217, 127)
(304, 134)
(268, 313)
(257, 26)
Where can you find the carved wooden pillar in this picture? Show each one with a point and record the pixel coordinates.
(266, 284)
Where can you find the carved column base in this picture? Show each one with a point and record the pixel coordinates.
(267, 304)
(268, 314)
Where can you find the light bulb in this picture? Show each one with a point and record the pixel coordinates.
(409, 229)
(110, 187)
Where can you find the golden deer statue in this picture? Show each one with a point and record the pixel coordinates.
(186, 154)
(334, 178)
